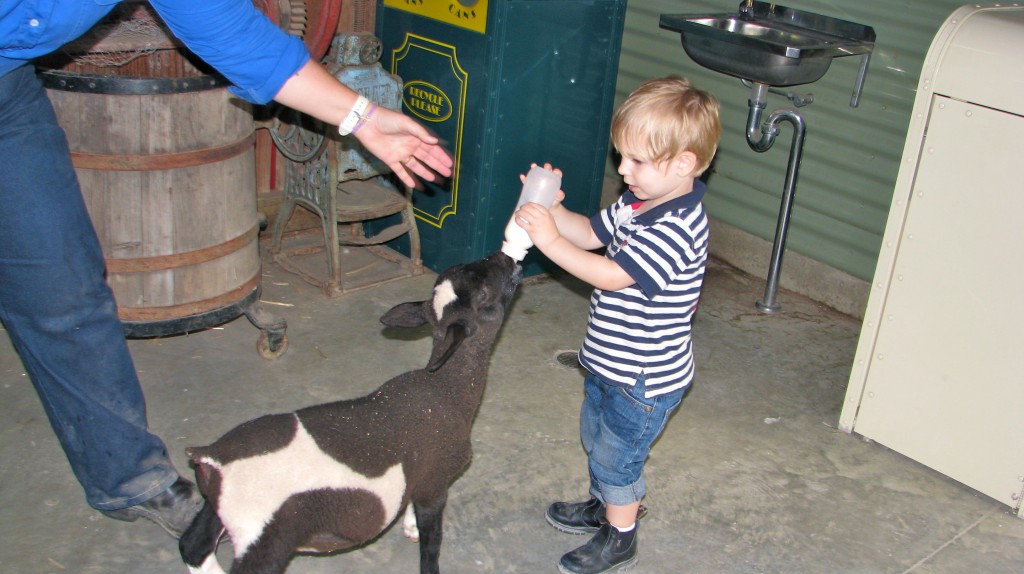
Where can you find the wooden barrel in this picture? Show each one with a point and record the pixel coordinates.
(167, 168)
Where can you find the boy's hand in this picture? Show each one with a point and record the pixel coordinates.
(560, 195)
(537, 222)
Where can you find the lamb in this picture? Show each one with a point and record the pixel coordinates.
(334, 476)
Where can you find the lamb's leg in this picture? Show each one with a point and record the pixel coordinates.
(273, 550)
(198, 545)
(429, 516)
(409, 524)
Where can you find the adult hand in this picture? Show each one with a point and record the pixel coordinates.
(405, 146)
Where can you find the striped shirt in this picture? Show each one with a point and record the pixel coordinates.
(645, 328)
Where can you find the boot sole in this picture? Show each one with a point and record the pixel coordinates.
(570, 529)
(627, 565)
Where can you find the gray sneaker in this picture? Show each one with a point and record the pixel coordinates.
(173, 509)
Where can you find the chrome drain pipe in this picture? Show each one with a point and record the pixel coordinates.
(760, 137)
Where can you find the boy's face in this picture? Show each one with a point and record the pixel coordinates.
(658, 182)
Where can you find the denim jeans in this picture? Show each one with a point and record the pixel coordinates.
(618, 425)
(60, 312)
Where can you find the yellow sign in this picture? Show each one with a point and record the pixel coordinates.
(426, 101)
(468, 14)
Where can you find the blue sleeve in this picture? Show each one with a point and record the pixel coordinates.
(238, 41)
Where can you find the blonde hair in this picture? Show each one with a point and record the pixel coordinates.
(665, 117)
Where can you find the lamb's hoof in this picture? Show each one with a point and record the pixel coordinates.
(409, 527)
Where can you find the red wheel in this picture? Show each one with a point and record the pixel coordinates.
(315, 21)
(322, 25)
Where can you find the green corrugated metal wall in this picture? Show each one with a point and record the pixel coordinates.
(851, 155)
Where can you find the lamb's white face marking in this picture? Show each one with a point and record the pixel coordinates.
(443, 295)
(252, 489)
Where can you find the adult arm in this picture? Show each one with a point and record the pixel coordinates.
(264, 63)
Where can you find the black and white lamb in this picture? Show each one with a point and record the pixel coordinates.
(334, 476)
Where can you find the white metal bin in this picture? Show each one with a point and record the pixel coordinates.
(939, 370)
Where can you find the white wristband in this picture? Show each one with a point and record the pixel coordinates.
(354, 117)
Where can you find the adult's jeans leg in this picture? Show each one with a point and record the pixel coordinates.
(60, 312)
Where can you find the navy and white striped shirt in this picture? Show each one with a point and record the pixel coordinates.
(645, 328)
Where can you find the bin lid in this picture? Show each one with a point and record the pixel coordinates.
(982, 61)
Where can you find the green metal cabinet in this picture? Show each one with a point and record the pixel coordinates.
(504, 83)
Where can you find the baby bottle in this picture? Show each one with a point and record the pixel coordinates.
(540, 187)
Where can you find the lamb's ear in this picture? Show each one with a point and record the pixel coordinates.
(453, 338)
(194, 453)
(198, 458)
(411, 314)
(487, 305)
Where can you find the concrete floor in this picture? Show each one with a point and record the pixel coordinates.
(751, 476)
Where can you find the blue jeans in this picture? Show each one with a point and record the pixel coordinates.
(60, 313)
(618, 425)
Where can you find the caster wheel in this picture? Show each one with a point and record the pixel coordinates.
(268, 351)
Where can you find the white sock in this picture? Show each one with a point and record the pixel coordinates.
(625, 529)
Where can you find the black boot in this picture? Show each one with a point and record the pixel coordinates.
(580, 517)
(608, 551)
(576, 517)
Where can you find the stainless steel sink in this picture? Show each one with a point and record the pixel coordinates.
(770, 44)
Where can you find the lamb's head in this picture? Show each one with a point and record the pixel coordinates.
(469, 302)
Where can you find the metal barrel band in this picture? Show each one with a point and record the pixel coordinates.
(184, 310)
(127, 85)
(160, 161)
(184, 258)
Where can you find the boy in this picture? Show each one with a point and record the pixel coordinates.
(637, 349)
